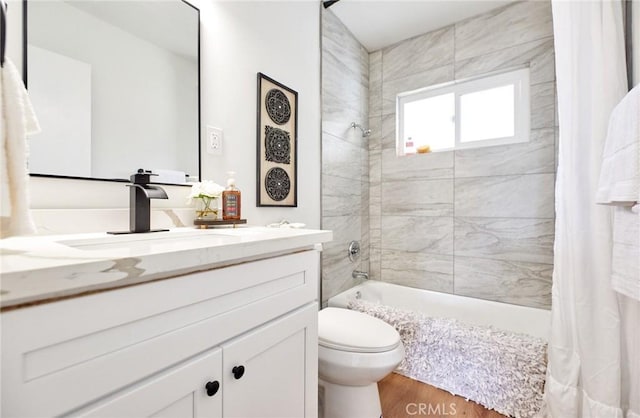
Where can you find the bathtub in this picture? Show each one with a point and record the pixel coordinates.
(532, 321)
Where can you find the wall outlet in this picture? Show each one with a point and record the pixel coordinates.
(214, 140)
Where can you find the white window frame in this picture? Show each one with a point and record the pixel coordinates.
(522, 109)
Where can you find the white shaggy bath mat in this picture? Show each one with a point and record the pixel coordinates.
(500, 370)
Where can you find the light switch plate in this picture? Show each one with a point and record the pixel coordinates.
(214, 139)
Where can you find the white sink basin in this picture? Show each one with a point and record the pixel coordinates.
(109, 241)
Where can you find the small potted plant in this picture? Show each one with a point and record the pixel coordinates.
(205, 194)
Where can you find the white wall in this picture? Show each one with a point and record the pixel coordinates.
(280, 39)
(14, 32)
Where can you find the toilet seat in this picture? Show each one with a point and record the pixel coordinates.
(351, 331)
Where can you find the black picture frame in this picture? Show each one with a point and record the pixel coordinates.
(277, 144)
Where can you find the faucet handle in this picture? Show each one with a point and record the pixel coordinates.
(354, 251)
(142, 176)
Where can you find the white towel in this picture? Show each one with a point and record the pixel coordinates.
(620, 171)
(620, 186)
(625, 263)
(17, 120)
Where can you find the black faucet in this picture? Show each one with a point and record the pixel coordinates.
(140, 197)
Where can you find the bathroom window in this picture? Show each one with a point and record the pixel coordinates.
(479, 112)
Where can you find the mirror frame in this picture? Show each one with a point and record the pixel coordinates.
(117, 180)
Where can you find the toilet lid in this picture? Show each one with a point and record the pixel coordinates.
(347, 330)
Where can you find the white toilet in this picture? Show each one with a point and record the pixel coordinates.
(355, 351)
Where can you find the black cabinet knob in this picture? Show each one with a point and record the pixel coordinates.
(212, 387)
(238, 372)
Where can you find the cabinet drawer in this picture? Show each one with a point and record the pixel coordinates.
(60, 356)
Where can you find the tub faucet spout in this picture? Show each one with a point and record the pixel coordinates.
(360, 275)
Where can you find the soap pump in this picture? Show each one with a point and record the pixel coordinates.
(231, 201)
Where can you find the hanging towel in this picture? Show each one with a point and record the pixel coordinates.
(620, 170)
(17, 120)
(620, 187)
(625, 260)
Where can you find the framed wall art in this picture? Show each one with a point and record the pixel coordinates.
(277, 134)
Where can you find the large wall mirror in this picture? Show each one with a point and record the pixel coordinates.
(115, 86)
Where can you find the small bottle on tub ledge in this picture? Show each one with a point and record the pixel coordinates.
(231, 200)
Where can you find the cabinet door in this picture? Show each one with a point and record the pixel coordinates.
(181, 392)
(279, 375)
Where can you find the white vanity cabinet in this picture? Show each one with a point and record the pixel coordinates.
(239, 341)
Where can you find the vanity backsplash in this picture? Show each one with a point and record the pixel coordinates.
(82, 206)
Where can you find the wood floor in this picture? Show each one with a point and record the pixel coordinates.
(402, 397)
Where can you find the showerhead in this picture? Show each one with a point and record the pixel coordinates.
(365, 132)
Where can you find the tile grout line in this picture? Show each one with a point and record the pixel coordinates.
(464, 178)
(453, 225)
(380, 168)
(539, 263)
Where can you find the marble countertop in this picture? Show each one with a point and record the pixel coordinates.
(46, 268)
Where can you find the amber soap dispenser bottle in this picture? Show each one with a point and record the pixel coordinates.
(231, 200)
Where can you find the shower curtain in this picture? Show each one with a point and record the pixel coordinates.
(593, 350)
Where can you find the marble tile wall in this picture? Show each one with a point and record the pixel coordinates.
(345, 160)
(476, 222)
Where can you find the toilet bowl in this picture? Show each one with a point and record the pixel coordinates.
(355, 351)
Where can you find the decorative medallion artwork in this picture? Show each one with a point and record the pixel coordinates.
(277, 145)
(278, 106)
(277, 184)
(277, 140)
